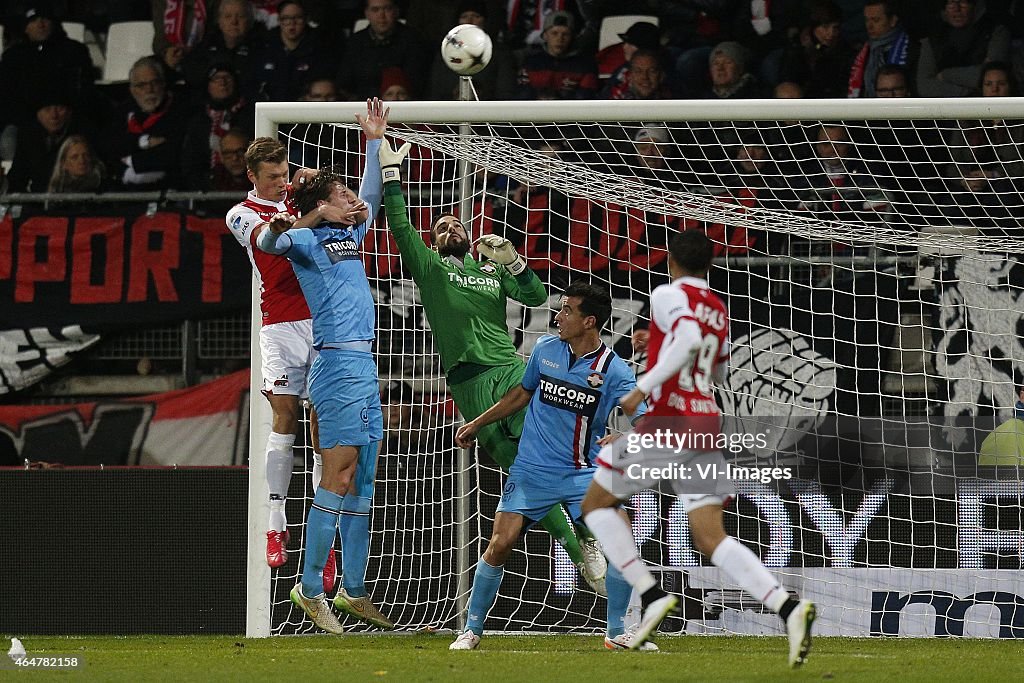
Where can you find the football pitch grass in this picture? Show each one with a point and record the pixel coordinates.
(519, 659)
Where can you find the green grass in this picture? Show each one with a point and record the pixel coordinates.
(520, 659)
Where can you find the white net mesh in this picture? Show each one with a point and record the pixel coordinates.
(872, 276)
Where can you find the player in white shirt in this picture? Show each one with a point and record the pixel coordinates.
(286, 338)
(688, 349)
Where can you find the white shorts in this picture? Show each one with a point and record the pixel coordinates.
(624, 473)
(286, 351)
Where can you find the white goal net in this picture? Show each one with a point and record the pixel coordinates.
(870, 257)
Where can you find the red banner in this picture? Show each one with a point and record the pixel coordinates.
(203, 425)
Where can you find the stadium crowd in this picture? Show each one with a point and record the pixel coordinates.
(212, 60)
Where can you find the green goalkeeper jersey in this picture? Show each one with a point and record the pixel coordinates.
(464, 303)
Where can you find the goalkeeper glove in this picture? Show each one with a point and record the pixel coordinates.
(500, 250)
(391, 160)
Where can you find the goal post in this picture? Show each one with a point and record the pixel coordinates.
(869, 252)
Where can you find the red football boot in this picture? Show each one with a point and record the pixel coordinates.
(277, 548)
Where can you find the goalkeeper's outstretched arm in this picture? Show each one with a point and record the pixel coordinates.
(415, 253)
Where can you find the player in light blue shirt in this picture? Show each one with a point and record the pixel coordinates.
(572, 384)
(343, 382)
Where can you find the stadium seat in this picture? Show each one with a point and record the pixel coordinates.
(75, 30)
(611, 27)
(127, 41)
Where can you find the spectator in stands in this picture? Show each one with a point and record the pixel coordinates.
(822, 60)
(319, 89)
(613, 61)
(556, 71)
(310, 142)
(39, 142)
(229, 174)
(767, 29)
(293, 54)
(837, 182)
(952, 55)
(385, 42)
(888, 43)
(223, 109)
(788, 90)
(997, 80)
(496, 81)
(975, 196)
(891, 81)
(730, 78)
(145, 153)
(655, 156)
(45, 60)
(394, 85)
(903, 154)
(77, 169)
(691, 29)
(235, 40)
(178, 27)
(527, 21)
(996, 143)
(751, 172)
(433, 18)
(645, 79)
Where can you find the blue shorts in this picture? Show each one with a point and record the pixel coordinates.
(533, 493)
(344, 389)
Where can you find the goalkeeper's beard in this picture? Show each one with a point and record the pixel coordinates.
(458, 250)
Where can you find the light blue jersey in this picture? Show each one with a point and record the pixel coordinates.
(572, 399)
(328, 264)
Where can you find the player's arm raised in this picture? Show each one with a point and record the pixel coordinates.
(515, 400)
(371, 189)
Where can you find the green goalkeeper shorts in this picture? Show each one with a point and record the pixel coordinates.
(500, 439)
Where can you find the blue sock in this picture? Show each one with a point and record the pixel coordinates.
(618, 600)
(321, 523)
(486, 582)
(354, 529)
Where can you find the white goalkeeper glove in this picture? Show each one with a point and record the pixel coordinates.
(500, 250)
(391, 160)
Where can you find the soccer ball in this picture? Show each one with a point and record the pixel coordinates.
(466, 49)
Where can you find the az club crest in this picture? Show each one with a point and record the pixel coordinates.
(488, 268)
(595, 380)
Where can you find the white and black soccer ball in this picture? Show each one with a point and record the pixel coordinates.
(466, 49)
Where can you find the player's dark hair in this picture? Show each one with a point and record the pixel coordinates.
(595, 301)
(264, 150)
(318, 188)
(436, 220)
(692, 251)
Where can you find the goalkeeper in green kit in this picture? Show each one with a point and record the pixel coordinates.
(464, 301)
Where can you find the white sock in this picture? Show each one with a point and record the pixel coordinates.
(318, 470)
(278, 521)
(746, 571)
(619, 546)
(279, 476)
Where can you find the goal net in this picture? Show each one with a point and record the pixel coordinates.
(869, 255)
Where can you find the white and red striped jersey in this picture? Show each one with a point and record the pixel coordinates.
(689, 391)
(281, 298)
